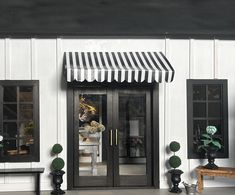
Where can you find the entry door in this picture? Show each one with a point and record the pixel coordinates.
(93, 154)
(132, 138)
(112, 138)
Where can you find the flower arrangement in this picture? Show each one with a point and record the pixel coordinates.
(209, 141)
(93, 127)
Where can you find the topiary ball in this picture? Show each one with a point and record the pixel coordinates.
(174, 146)
(174, 161)
(57, 164)
(57, 148)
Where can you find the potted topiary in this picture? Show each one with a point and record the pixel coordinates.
(175, 162)
(210, 145)
(57, 173)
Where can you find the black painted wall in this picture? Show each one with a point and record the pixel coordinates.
(183, 18)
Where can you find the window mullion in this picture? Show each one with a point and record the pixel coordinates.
(207, 107)
(18, 118)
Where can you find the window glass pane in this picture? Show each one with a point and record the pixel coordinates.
(9, 130)
(26, 129)
(199, 92)
(214, 109)
(199, 109)
(26, 111)
(214, 92)
(26, 94)
(9, 111)
(9, 94)
(199, 127)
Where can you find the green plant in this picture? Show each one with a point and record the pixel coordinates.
(57, 148)
(58, 163)
(208, 140)
(174, 160)
(28, 129)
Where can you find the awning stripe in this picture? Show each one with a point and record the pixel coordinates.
(118, 66)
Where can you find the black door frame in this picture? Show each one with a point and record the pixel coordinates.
(155, 126)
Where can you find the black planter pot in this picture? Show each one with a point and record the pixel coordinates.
(57, 181)
(175, 179)
(211, 155)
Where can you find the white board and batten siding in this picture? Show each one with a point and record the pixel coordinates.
(41, 59)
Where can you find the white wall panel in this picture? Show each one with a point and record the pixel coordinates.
(226, 69)
(45, 60)
(176, 116)
(41, 59)
(203, 59)
(114, 45)
(2, 59)
(20, 59)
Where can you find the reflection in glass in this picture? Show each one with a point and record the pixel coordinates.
(214, 92)
(91, 115)
(9, 129)
(26, 94)
(9, 111)
(26, 112)
(16, 147)
(131, 132)
(9, 94)
(199, 92)
(22, 145)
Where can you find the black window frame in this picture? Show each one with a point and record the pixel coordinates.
(223, 83)
(34, 156)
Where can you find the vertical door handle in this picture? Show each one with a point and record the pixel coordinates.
(116, 131)
(111, 137)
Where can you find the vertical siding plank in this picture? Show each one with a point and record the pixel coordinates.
(45, 57)
(2, 59)
(20, 59)
(7, 59)
(62, 106)
(176, 115)
(203, 55)
(34, 69)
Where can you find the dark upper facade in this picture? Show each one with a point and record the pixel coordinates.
(128, 18)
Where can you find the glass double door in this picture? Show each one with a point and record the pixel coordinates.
(112, 138)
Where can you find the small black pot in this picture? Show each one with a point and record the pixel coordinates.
(57, 181)
(211, 155)
(175, 179)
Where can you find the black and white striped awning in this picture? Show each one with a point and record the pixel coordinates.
(118, 66)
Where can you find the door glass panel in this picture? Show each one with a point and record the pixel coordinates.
(91, 118)
(132, 137)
